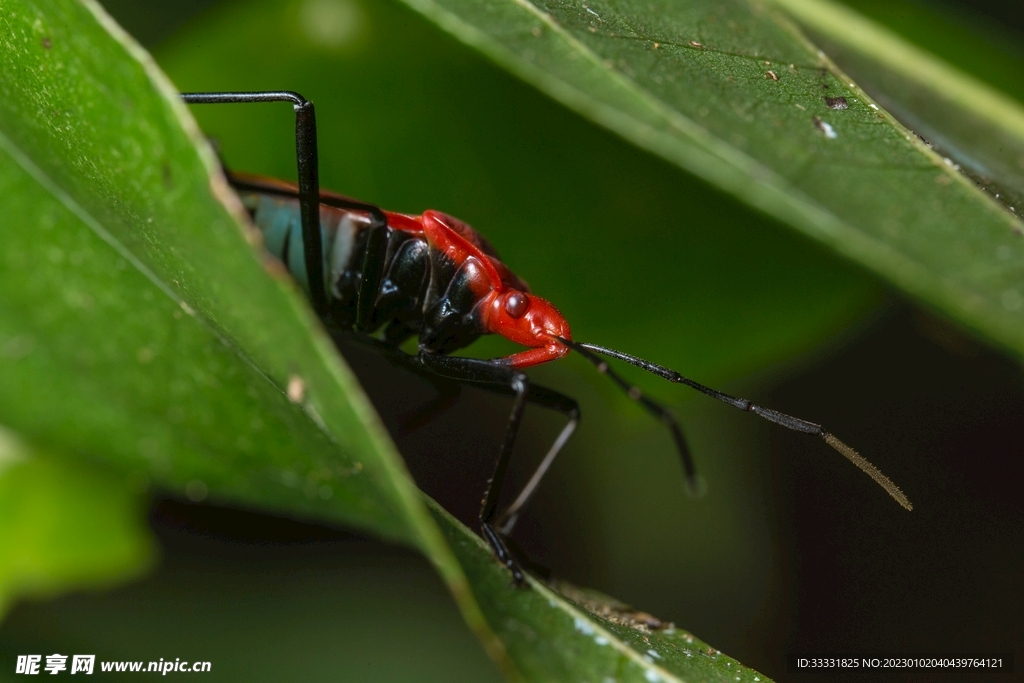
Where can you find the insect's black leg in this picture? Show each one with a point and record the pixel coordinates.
(497, 378)
(308, 176)
(374, 259)
(501, 378)
(504, 378)
(566, 405)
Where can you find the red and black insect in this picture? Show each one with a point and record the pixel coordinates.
(384, 277)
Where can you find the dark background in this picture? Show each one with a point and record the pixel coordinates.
(815, 559)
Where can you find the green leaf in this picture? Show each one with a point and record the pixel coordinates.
(122, 279)
(138, 325)
(64, 524)
(734, 93)
(971, 123)
(561, 632)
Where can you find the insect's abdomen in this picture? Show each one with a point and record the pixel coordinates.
(279, 220)
(421, 291)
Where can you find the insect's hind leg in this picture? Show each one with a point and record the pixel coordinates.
(308, 175)
(547, 398)
(504, 379)
(501, 379)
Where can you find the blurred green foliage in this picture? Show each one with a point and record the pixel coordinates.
(961, 37)
(64, 524)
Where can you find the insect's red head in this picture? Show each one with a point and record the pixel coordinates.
(524, 318)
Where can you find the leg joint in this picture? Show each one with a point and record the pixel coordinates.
(520, 383)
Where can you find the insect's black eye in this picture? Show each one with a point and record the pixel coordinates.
(516, 304)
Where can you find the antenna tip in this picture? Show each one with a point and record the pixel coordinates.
(696, 486)
(869, 469)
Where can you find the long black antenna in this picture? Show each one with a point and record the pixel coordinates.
(590, 351)
(655, 408)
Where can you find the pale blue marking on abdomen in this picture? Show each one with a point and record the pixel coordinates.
(280, 222)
